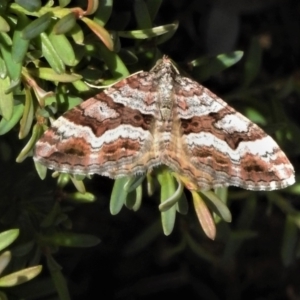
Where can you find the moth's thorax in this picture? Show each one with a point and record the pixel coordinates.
(165, 96)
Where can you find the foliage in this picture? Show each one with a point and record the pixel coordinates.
(52, 55)
(19, 277)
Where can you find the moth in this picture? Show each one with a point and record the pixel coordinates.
(162, 118)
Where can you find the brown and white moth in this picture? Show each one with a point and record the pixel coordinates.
(162, 118)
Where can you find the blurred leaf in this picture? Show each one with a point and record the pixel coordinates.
(281, 202)
(7, 237)
(6, 126)
(290, 238)
(153, 7)
(206, 67)
(5, 258)
(4, 27)
(81, 197)
(58, 278)
(20, 276)
(148, 33)
(103, 12)
(200, 250)
(3, 69)
(78, 184)
(50, 217)
(165, 37)
(70, 239)
(253, 62)
(143, 240)
(92, 7)
(63, 3)
(255, 116)
(141, 14)
(37, 26)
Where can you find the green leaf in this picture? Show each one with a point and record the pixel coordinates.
(20, 277)
(36, 133)
(28, 114)
(182, 204)
(8, 237)
(218, 206)
(41, 170)
(171, 201)
(19, 45)
(133, 183)
(65, 24)
(51, 55)
(6, 99)
(14, 68)
(78, 184)
(30, 5)
(77, 34)
(51, 75)
(7, 125)
(118, 196)
(113, 61)
(167, 184)
(101, 32)
(63, 48)
(37, 26)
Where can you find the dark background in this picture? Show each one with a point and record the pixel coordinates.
(255, 256)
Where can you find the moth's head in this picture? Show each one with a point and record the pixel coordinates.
(163, 66)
